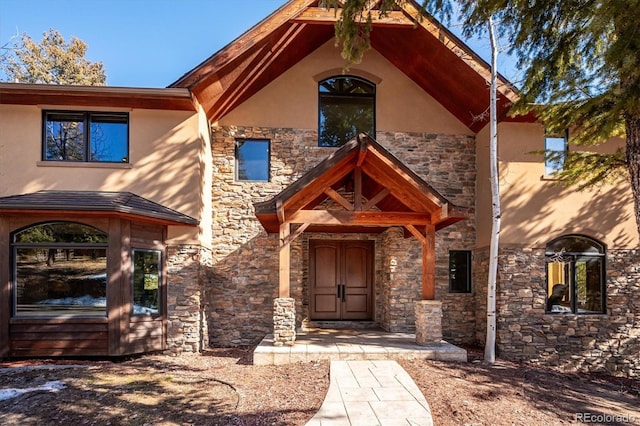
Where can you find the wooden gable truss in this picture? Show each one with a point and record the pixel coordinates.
(433, 57)
(360, 188)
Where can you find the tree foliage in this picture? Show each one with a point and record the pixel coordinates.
(51, 61)
(582, 71)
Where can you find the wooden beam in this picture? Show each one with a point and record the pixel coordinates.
(357, 189)
(376, 199)
(280, 211)
(297, 233)
(270, 55)
(5, 286)
(416, 234)
(370, 218)
(362, 153)
(320, 15)
(243, 43)
(284, 270)
(429, 263)
(335, 196)
(390, 173)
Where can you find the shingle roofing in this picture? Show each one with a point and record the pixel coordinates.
(125, 203)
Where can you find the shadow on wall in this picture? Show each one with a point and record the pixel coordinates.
(593, 213)
(240, 293)
(164, 167)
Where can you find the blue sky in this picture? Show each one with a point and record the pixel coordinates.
(148, 43)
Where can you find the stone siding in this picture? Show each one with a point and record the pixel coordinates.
(588, 342)
(245, 259)
(187, 269)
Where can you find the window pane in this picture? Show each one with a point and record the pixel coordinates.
(558, 294)
(55, 281)
(86, 136)
(109, 138)
(588, 285)
(341, 119)
(346, 108)
(64, 137)
(61, 232)
(574, 244)
(556, 162)
(575, 275)
(252, 160)
(460, 271)
(147, 279)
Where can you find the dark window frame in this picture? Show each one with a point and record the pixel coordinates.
(56, 245)
(551, 167)
(87, 119)
(453, 288)
(370, 96)
(160, 278)
(571, 258)
(237, 143)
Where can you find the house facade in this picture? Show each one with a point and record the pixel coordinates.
(271, 179)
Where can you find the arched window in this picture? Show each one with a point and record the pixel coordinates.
(60, 269)
(346, 108)
(575, 275)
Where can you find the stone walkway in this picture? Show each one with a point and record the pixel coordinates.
(372, 393)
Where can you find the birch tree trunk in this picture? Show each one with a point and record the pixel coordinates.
(490, 343)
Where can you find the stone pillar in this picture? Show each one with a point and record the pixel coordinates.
(284, 321)
(428, 322)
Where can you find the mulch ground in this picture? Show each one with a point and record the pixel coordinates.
(222, 387)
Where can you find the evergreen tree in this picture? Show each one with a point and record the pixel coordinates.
(582, 71)
(51, 61)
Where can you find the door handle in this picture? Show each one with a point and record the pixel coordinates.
(338, 291)
(344, 292)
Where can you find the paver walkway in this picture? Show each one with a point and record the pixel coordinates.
(369, 393)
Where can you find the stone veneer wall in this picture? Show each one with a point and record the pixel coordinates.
(187, 269)
(245, 259)
(448, 164)
(401, 281)
(600, 343)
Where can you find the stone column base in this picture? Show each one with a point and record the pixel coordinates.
(284, 321)
(428, 322)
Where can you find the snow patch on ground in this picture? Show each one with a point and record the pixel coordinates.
(54, 386)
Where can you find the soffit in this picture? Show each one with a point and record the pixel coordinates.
(434, 58)
(96, 96)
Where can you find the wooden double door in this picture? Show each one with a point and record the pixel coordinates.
(341, 280)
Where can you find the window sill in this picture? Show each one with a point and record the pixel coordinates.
(146, 318)
(83, 164)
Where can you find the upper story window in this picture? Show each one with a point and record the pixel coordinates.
(252, 159)
(556, 146)
(60, 269)
(86, 136)
(575, 275)
(346, 108)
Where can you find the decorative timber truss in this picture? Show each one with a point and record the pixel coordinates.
(359, 188)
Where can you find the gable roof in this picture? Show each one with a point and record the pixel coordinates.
(383, 192)
(434, 58)
(124, 204)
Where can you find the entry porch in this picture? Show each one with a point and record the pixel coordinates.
(365, 344)
(360, 189)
